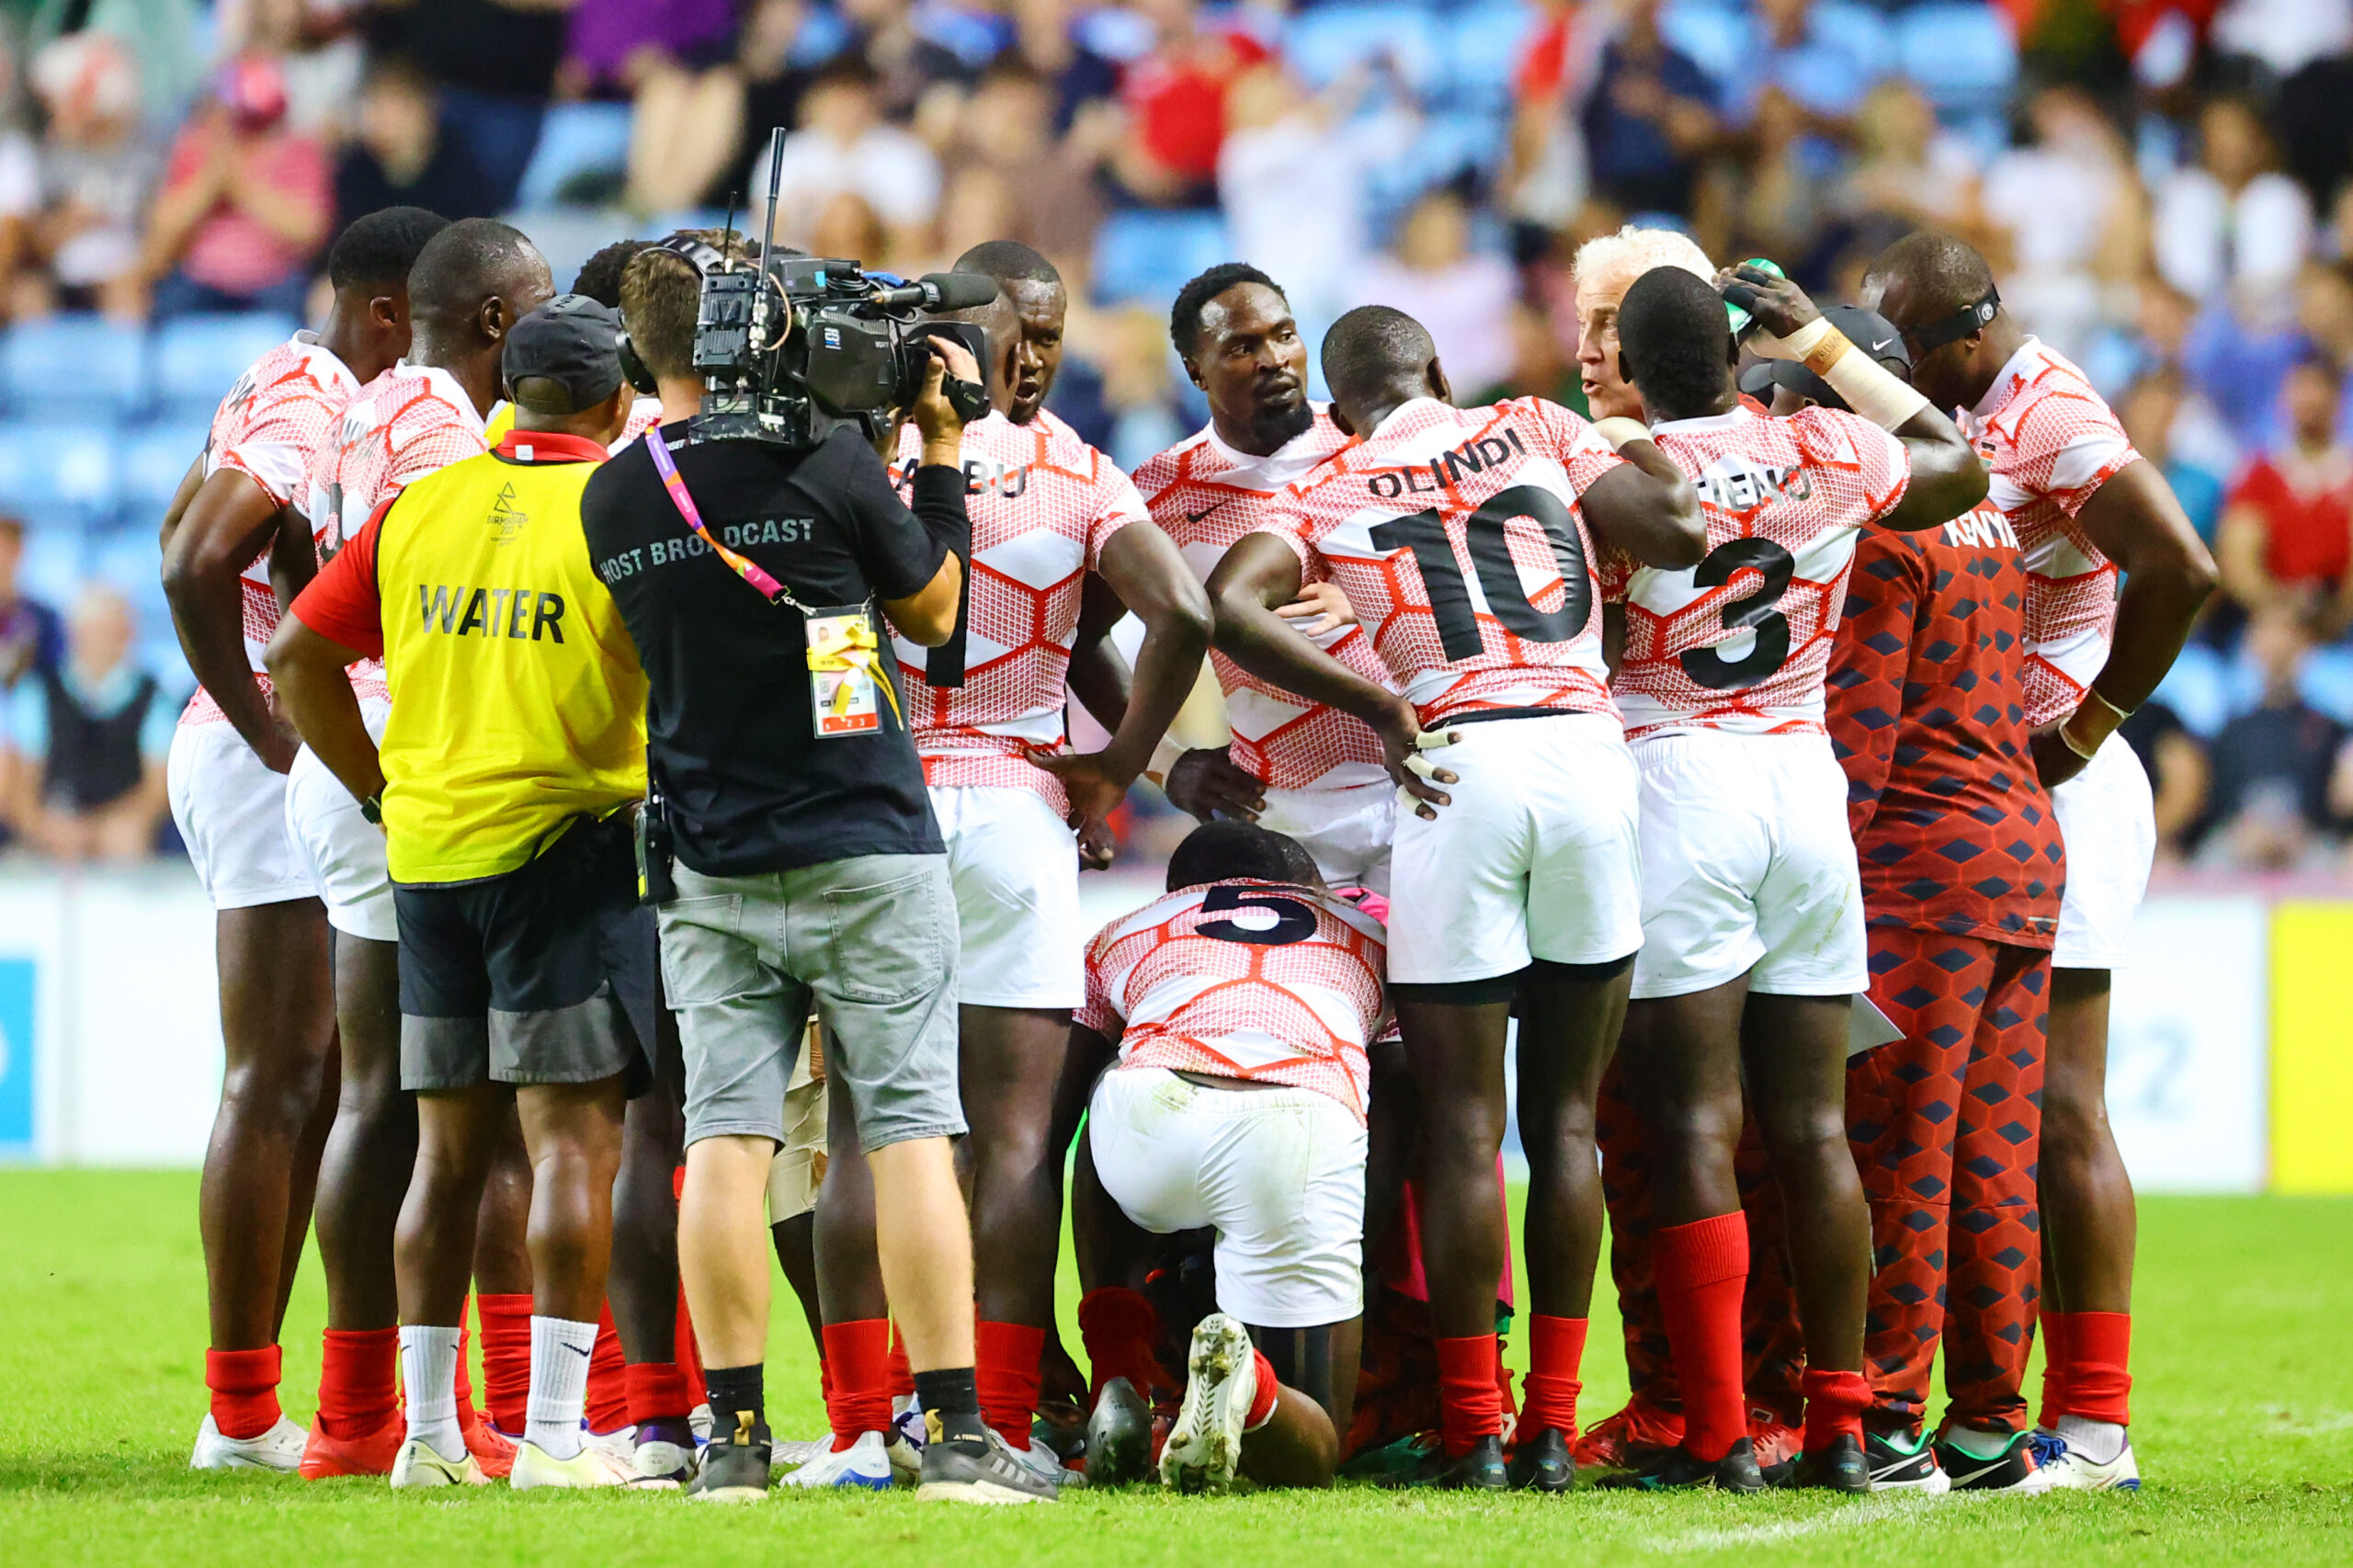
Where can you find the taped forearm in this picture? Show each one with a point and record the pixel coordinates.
(1868, 388)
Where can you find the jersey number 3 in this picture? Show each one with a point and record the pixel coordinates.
(1294, 922)
(1751, 612)
(1458, 624)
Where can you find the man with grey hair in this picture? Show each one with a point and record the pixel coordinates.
(1605, 268)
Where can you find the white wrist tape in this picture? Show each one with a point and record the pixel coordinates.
(1872, 390)
(1797, 345)
(1164, 757)
(1618, 430)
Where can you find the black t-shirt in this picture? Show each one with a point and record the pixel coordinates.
(731, 737)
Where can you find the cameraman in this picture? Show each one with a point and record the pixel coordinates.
(807, 866)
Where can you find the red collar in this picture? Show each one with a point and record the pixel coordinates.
(549, 447)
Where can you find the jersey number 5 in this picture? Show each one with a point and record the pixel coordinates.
(1458, 625)
(1294, 922)
(1754, 611)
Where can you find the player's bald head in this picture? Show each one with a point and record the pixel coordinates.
(1227, 848)
(1925, 276)
(1375, 358)
(1010, 262)
(469, 264)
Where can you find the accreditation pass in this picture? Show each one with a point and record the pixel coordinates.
(843, 649)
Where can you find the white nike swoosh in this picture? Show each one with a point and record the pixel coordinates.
(1882, 344)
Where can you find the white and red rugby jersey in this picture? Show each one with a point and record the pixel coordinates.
(1244, 978)
(1457, 534)
(270, 428)
(1042, 504)
(2049, 441)
(405, 424)
(1206, 496)
(1742, 641)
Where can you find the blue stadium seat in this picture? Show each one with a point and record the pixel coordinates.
(59, 477)
(153, 464)
(1717, 35)
(1964, 56)
(198, 358)
(74, 366)
(52, 570)
(574, 140)
(1481, 49)
(1325, 44)
(1149, 255)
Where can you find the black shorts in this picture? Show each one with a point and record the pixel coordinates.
(543, 975)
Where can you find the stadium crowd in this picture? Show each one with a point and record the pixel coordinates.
(2165, 181)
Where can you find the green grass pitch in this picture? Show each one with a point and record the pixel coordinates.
(2245, 1398)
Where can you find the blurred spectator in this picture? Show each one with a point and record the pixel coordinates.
(1293, 178)
(776, 52)
(1649, 119)
(87, 742)
(1044, 41)
(1545, 178)
(907, 65)
(1175, 100)
(1464, 297)
(2150, 409)
(404, 154)
(1138, 390)
(1907, 168)
(847, 226)
(2233, 219)
(1008, 132)
(2178, 774)
(1778, 197)
(162, 37)
(246, 202)
(2273, 766)
(2287, 531)
(1821, 72)
(843, 144)
(19, 198)
(494, 62)
(2068, 205)
(95, 176)
(2286, 35)
(32, 638)
(317, 47)
(674, 59)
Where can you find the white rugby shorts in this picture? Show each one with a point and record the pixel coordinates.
(1279, 1171)
(1747, 867)
(1535, 859)
(231, 811)
(344, 850)
(1014, 867)
(2108, 817)
(1348, 830)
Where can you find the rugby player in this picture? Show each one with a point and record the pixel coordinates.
(1241, 1005)
(1961, 866)
(599, 278)
(2088, 509)
(1463, 538)
(228, 793)
(1305, 770)
(1752, 934)
(470, 282)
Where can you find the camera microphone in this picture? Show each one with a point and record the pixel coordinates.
(941, 291)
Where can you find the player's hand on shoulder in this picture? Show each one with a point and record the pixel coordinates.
(1406, 746)
(1779, 306)
(1204, 783)
(1322, 606)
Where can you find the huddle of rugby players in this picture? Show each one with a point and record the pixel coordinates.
(1736, 761)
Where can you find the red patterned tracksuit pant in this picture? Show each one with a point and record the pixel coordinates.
(1946, 1125)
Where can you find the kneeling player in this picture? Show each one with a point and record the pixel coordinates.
(1242, 1003)
(1752, 940)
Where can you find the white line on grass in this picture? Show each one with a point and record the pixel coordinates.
(1868, 1515)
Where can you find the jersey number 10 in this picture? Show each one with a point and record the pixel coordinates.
(1458, 625)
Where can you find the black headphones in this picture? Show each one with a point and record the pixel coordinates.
(706, 259)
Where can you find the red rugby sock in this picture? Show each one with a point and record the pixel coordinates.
(1262, 1401)
(1007, 1370)
(1555, 1353)
(245, 1390)
(2097, 1382)
(357, 1367)
(657, 1390)
(858, 1379)
(1834, 1402)
(1470, 1404)
(1701, 1269)
(1120, 1329)
(506, 1358)
(608, 1408)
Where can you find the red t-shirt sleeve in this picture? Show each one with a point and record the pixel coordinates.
(342, 604)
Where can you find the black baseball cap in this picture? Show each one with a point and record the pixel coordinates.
(564, 358)
(1867, 330)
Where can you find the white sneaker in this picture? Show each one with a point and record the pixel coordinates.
(1205, 1445)
(659, 1461)
(1039, 1461)
(792, 1453)
(698, 1419)
(909, 1424)
(419, 1464)
(620, 1442)
(866, 1463)
(280, 1449)
(2069, 1470)
(590, 1468)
